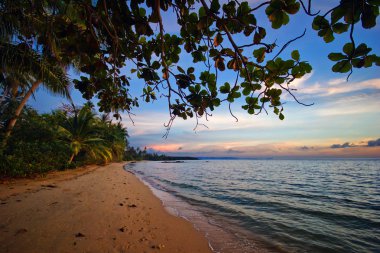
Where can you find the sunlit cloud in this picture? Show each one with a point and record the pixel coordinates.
(165, 147)
(337, 86)
(344, 145)
(282, 150)
(301, 82)
(351, 105)
(337, 81)
(363, 143)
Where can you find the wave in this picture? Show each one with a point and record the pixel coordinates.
(298, 206)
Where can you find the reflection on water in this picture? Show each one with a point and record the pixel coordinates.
(274, 205)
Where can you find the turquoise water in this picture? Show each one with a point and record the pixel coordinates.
(276, 205)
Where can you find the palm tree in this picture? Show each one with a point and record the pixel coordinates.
(26, 69)
(26, 63)
(82, 134)
(114, 135)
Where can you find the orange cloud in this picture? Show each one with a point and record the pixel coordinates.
(271, 150)
(166, 147)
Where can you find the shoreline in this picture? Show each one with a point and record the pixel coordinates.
(222, 234)
(94, 209)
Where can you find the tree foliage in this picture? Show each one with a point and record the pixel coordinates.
(81, 131)
(65, 138)
(101, 38)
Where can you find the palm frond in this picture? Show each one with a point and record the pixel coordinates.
(21, 59)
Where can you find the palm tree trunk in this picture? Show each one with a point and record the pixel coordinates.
(71, 158)
(18, 111)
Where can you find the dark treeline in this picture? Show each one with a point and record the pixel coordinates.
(65, 138)
(136, 154)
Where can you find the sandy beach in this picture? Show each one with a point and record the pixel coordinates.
(93, 209)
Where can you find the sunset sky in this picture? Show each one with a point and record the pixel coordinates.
(343, 122)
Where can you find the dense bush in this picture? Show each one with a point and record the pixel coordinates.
(57, 141)
(28, 158)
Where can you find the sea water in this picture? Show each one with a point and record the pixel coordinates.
(274, 205)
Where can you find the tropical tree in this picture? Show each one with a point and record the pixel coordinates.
(103, 37)
(24, 63)
(80, 131)
(43, 142)
(26, 70)
(114, 135)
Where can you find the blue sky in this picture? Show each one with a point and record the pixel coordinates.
(343, 112)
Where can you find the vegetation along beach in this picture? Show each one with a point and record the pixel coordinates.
(189, 126)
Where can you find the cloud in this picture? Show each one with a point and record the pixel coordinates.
(344, 145)
(357, 104)
(180, 148)
(370, 143)
(301, 82)
(374, 143)
(335, 87)
(165, 147)
(305, 148)
(336, 81)
(234, 151)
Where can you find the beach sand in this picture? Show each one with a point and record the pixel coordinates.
(93, 209)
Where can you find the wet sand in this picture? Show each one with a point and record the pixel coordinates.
(93, 209)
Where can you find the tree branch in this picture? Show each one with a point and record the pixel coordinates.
(308, 10)
(288, 43)
(259, 6)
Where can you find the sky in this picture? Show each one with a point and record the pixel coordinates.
(344, 121)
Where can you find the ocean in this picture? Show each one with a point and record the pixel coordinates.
(273, 205)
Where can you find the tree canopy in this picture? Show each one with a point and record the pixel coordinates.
(101, 39)
(67, 137)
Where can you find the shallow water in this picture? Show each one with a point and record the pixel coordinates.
(274, 205)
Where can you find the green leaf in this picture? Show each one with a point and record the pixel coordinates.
(225, 88)
(193, 18)
(236, 94)
(320, 22)
(248, 30)
(181, 70)
(337, 14)
(259, 35)
(358, 63)
(247, 91)
(190, 70)
(329, 36)
(216, 102)
(342, 66)
(215, 6)
(198, 56)
(251, 111)
(348, 48)
(336, 56)
(259, 54)
(361, 50)
(142, 12)
(202, 12)
(296, 55)
(156, 65)
(293, 8)
(340, 28)
(369, 16)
